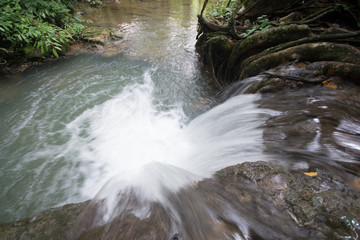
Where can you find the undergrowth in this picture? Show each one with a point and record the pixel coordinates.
(220, 9)
(46, 25)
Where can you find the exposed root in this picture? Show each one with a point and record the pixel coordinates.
(294, 78)
(213, 69)
(306, 34)
(316, 38)
(257, 43)
(316, 16)
(311, 52)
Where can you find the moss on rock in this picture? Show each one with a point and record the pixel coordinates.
(97, 35)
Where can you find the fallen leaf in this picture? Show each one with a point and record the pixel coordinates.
(333, 86)
(326, 81)
(311, 174)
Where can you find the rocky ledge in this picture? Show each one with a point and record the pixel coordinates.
(291, 204)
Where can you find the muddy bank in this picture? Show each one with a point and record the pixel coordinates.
(300, 204)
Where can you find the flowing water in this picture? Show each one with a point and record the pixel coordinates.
(140, 122)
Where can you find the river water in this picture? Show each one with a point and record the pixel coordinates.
(141, 119)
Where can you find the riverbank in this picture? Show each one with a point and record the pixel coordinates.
(86, 39)
(100, 40)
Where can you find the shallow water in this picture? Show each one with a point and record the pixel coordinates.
(140, 122)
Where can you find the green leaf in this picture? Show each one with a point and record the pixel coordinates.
(55, 53)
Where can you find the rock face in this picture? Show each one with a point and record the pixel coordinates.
(50, 224)
(275, 204)
(320, 203)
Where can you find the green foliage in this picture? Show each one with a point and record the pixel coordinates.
(261, 23)
(342, 6)
(94, 2)
(47, 25)
(220, 9)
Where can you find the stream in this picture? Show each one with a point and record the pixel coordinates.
(133, 127)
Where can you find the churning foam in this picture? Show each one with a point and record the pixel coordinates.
(121, 138)
(127, 142)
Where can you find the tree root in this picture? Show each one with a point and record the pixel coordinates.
(322, 51)
(215, 49)
(302, 41)
(208, 26)
(213, 72)
(301, 38)
(232, 23)
(316, 16)
(263, 40)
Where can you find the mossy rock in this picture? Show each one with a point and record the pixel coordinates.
(97, 35)
(117, 34)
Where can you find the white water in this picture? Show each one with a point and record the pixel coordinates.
(128, 143)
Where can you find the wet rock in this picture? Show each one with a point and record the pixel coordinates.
(117, 34)
(274, 202)
(272, 85)
(97, 35)
(50, 224)
(320, 203)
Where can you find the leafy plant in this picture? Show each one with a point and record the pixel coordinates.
(94, 2)
(343, 6)
(261, 23)
(220, 9)
(46, 25)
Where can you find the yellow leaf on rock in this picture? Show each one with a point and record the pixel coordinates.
(311, 174)
(326, 81)
(333, 86)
